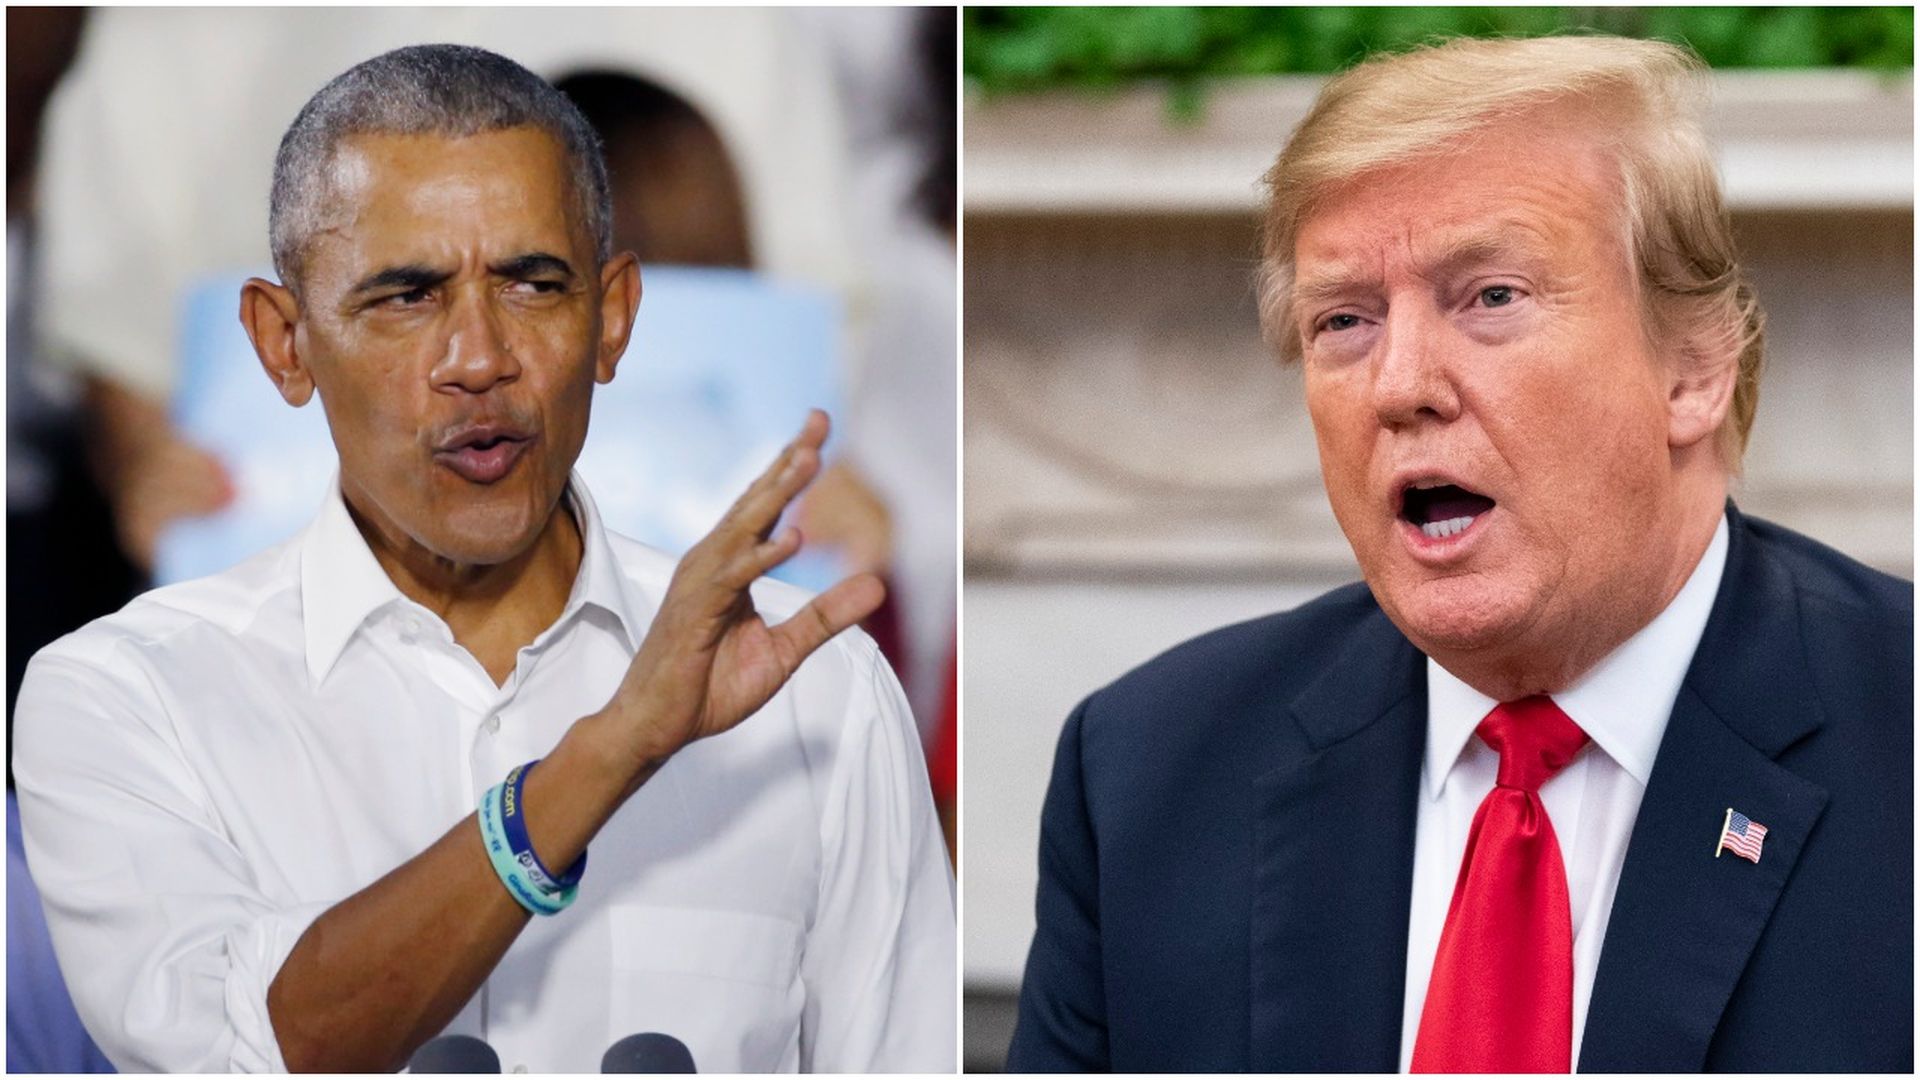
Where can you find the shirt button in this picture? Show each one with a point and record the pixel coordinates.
(491, 724)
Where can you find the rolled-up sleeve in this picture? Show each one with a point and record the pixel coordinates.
(166, 940)
(880, 961)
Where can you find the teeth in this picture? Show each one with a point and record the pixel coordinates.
(1437, 530)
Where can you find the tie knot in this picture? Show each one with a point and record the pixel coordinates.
(1535, 740)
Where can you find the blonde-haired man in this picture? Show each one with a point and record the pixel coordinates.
(1592, 769)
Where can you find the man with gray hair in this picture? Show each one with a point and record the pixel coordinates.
(1592, 769)
(250, 800)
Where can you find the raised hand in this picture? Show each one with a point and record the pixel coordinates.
(709, 660)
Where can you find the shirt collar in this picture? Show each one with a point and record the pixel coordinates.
(342, 584)
(601, 581)
(1623, 703)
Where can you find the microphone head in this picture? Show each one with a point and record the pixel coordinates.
(648, 1052)
(454, 1054)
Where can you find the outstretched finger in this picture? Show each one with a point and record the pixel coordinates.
(827, 614)
(746, 567)
(759, 507)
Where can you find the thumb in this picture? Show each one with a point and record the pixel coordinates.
(828, 614)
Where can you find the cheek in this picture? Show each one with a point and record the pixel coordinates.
(1619, 414)
(543, 325)
(557, 379)
(1344, 425)
(368, 386)
(1590, 443)
(374, 425)
(557, 345)
(1346, 432)
(556, 351)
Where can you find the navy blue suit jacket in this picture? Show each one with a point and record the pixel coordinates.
(1226, 852)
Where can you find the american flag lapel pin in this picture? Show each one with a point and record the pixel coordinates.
(1741, 835)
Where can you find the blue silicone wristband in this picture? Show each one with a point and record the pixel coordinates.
(511, 873)
(514, 820)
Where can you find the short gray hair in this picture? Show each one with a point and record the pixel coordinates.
(448, 90)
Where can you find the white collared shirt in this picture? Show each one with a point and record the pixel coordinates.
(1623, 704)
(205, 772)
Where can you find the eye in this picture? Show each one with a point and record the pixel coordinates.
(543, 287)
(1494, 296)
(410, 298)
(1339, 322)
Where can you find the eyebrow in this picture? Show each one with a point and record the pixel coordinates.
(420, 276)
(532, 264)
(409, 277)
(1507, 243)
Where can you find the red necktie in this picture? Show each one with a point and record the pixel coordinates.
(1501, 996)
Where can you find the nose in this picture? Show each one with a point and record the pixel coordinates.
(477, 356)
(1411, 379)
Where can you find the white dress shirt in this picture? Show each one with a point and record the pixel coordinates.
(205, 772)
(1623, 704)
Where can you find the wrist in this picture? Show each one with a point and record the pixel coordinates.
(610, 741)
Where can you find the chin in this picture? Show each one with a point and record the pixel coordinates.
(1455, 614)
(481, 551)
(486, 535)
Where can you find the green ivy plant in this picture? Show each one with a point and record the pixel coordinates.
(1026, 49)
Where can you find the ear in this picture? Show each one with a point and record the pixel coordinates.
(1703, 372)
(271, 315)
(619, 301)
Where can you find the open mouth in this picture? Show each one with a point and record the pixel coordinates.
(1441, 510)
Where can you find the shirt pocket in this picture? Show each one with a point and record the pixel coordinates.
(725, 983)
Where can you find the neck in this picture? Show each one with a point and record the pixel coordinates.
(1566, 656)
(496, 609)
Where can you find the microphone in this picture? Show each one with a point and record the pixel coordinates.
(648, 1052)
(454, 1054)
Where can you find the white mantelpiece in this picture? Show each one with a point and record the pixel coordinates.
(1117, 153)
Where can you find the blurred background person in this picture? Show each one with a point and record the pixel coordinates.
(1140, 468)
(890, 501)
(63, 564)
(731, 143)
(678, 199)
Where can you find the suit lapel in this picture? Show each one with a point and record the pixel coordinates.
(1333, 874)
(1684, 922)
